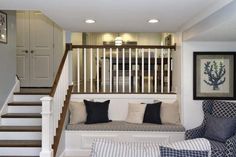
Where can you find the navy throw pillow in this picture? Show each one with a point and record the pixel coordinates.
(169, 152)
(219, 129)
(152, 113)
(97, 112)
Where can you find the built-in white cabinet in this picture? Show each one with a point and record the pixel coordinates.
(35, 48)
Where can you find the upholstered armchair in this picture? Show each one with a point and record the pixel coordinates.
(218, 109)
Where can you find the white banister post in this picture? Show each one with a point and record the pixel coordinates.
(47, 150)
(70, 67)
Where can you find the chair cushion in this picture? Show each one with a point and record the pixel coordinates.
(169, 152)
(224, 109)
(218, 148)
(152, 113)
(219, 129)
(97, 112)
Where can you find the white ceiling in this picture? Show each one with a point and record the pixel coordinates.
(223, 32)
(220, 26)
(116, 15)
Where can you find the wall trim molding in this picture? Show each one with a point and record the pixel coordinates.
(14, 89)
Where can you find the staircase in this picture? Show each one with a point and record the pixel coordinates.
(20, 129)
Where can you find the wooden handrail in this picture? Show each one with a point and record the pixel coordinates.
(61, 122)
(59, 71)
(173, 47)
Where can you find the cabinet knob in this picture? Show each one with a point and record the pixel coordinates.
(26, 51)
(32, 51)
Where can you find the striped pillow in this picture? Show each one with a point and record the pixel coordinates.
(109, 148)
(112, 148)
(169, 152)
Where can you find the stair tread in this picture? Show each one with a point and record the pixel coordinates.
(20, 143)
(18, 156)
(28, 93)
(20, 128)
(22, 115)
(25, 104)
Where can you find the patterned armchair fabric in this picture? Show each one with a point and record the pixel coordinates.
(219, 109)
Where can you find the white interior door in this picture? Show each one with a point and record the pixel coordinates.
(41, 50)
(22, 47)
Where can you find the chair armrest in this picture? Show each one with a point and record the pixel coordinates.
(231, 147)
(195, 133)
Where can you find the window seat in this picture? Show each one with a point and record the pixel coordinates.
(124, 126)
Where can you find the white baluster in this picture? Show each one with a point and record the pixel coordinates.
(130, 70)
(168, 71)
(85, 73)
(104, 70)
(142, 70)
(155, 73)
(123, 68)
(111, 70)
(136, 71)
(149, 73)
(98, 70)
(117, 70)
(78, 70)
(46, 127)
(162, 71)
(91, 70)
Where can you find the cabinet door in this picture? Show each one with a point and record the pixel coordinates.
(22, 47)
(41, 50)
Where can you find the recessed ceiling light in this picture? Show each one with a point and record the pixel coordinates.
(90, 21)
(153, 21)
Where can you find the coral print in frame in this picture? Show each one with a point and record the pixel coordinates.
(214, 75)
(3, 27)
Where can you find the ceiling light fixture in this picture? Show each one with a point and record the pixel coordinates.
(89, 21)
(153, 21)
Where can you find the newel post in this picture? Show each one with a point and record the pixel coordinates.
(47, 123)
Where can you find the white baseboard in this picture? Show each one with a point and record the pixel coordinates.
(15, 88)
(62, 154)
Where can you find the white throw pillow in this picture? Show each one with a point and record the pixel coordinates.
(78, 112)
(136, 113)
(170, 113)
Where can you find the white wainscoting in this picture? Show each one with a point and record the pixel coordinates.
(79, 143)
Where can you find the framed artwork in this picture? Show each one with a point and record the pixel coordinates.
(214, 75)
(3, 27)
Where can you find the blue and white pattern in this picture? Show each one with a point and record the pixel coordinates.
(169, 152)
(111, 148)
(218, 109)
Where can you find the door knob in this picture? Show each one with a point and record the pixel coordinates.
(26, 51)
(32, 51)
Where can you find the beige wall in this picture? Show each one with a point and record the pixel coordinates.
(141, 38)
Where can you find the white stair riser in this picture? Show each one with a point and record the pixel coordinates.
(20, 135)
(27, 98)
(21, 121)
(24, 109)
(20, 151)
